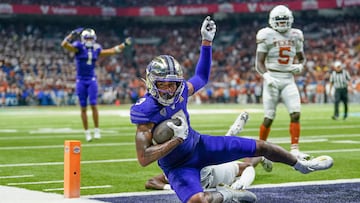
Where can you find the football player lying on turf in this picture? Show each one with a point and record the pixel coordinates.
(236, 174)
(183, 156)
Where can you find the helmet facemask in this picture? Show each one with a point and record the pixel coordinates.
(164, 68)
(88, 37)
(281, 18)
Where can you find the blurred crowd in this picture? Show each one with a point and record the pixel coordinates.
(35, 70)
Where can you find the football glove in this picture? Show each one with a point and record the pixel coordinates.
(297, 68)
(208, 29)
(180, 131)
(128, 41)
(272, 82)
(77, 31)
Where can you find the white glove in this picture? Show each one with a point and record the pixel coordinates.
(297, 68)
(208, 29)
(182, 130)
(128, 41)
(270, 80)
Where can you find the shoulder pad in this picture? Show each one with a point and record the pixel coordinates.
(262, 34)
(297, 33)
(76, 44)
(97, 46)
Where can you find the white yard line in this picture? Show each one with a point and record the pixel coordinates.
(62, 146)
(62, 163)
(126, 113)
(79, 135)
(310, 128)
(14, 177)
(36, 183)
(81, 188)
(346, 142)
(278, 140)
(333, 151)
(57, 132)
(134, 159)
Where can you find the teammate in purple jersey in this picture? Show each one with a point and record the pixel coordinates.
(87, 52)
(182, 157)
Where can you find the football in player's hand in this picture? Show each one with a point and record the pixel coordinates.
(163, 132)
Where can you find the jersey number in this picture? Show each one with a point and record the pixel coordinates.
(284, 58)
(90, 56)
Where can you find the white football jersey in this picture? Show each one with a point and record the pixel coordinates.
(281, 48)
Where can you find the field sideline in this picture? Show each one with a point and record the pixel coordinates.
(32, 138)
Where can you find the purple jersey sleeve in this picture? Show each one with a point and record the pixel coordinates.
(144, 110)
(203, 69)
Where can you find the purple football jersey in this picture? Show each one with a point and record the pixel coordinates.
(86, 84)
(148, 110)
(85, 60)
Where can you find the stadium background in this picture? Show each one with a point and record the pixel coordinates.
(36, 72)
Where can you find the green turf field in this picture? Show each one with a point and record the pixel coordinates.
(32, 145)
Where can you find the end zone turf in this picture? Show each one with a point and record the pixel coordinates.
(334, 191)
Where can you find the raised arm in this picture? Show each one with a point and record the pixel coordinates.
(117, 49)
(203, 67)
(66, 43)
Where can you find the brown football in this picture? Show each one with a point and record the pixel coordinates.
(162, 132)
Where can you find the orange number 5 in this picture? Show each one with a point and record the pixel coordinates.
(284, 58)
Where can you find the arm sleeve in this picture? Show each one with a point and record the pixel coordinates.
(300, 41)
(203, 69)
